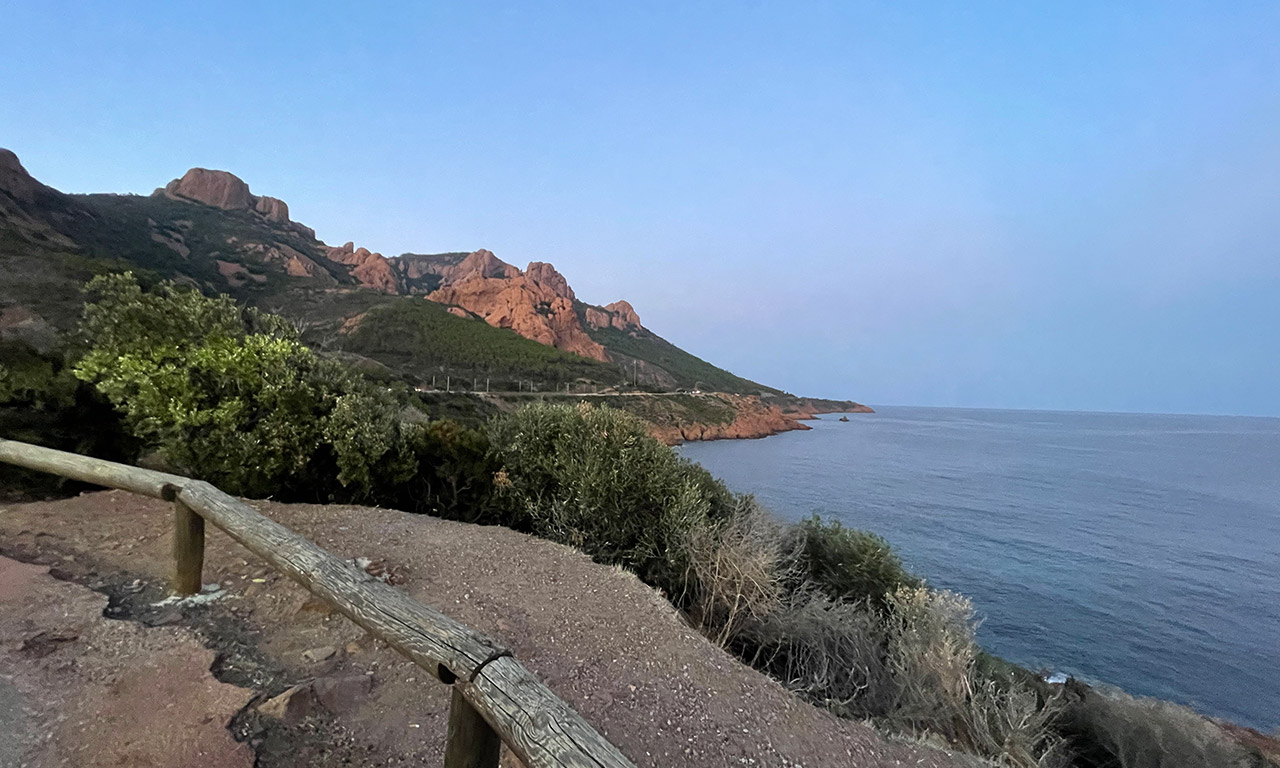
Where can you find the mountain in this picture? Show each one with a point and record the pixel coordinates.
(461, 314)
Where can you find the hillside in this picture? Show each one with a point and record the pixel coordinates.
(458, 314)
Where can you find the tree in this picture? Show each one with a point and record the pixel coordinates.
(230, 394)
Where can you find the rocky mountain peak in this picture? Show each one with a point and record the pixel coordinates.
(225, 190)
(481, 263)
(219, 189)
(547, 277)
(620, 315)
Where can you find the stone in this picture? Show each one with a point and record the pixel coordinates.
(293, 706)
(225, 190)
(323, 653)
(339, 694)
(332, 695)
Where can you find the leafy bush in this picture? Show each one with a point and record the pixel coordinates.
(593, 478)
(847, 564)
(230, 395)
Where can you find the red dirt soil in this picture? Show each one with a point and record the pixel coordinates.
(607, 644)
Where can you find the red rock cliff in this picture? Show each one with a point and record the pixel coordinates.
(536, 303)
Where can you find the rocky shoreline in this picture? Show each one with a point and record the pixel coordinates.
(755, 418)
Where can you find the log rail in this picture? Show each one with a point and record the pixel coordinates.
(495, 699)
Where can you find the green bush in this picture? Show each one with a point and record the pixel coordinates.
(593, 478)
(228, 394)
(847, 564)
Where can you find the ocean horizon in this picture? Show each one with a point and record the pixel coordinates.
(1135, 550)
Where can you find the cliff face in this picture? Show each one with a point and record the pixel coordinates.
(536, 303)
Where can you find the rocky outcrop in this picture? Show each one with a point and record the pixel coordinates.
(367, 267)
(807, 407)
(273, 209)
(752, 419)
(229, 192)
(620, 315)
(536, 303)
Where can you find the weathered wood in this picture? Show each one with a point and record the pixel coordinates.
(535, 723)
(89, 470)
(472, 743)
(430, 639)
(188, 549)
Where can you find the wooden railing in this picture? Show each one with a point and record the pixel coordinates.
(495, 699)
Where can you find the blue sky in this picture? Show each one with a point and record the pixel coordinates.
(1021, 205)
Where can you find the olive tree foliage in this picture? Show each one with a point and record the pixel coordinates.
(229, 394)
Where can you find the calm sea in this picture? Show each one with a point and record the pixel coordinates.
(1137, 550)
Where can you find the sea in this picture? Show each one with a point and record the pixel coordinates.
(1132, 550)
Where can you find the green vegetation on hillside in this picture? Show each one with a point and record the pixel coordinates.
(662, 409)
(689, 372)
(422, 338)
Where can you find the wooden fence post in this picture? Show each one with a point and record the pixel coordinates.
(472, 743)
(188, 549)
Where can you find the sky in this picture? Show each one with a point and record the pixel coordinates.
(1011, 205)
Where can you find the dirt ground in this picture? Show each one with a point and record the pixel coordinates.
(178, 685)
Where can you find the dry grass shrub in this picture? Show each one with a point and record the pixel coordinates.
(911, 668)
(1149, 733)
(736, 571)
(932, 657)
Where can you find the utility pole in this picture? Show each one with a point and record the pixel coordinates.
(447, 383)
(486, 384)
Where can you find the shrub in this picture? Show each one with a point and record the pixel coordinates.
(736, 572)
(1115, 729)
(845, 563)
(828, 651)
(593, 478)
(230, 395)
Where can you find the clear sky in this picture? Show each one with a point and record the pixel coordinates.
(1072, 205)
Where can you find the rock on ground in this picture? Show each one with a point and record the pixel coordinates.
(80, 689)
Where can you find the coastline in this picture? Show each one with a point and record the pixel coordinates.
(754, 418)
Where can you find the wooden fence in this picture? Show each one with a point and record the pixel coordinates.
(495, 699)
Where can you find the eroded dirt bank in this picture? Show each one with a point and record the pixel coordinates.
(607, 644)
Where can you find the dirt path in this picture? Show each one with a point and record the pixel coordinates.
(607, 644)
(80, 689)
